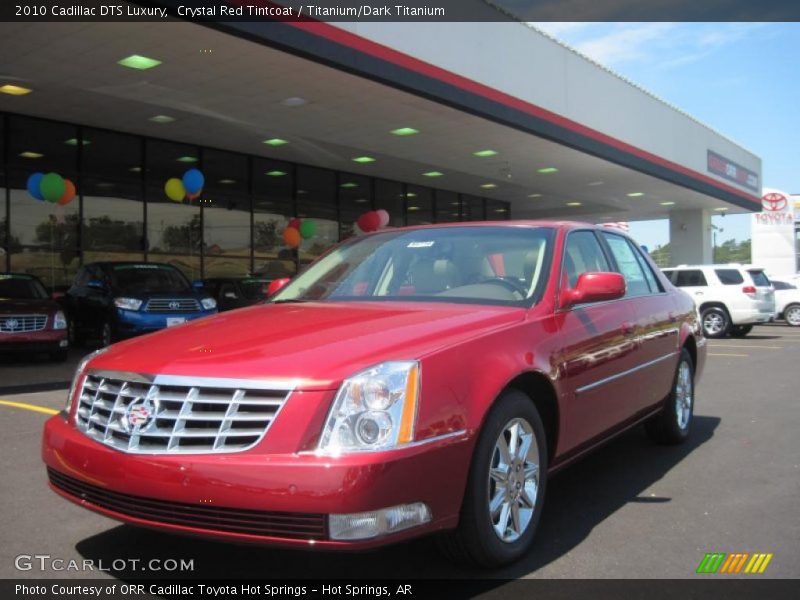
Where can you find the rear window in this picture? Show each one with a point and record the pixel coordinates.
(759, 278)
(782, 285)
(149, 279)
(729, 276)
(689, 278)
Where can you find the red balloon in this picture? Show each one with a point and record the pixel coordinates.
(69, 193)
(373, 220)
(294, 223)
(362, 223)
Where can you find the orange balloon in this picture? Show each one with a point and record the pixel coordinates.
(194, 196)
(69, 193)
(292, 237)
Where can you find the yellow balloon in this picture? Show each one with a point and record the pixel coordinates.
(174, 189)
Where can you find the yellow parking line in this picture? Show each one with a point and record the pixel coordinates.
(26, 406)
(747, 346)
(724, 354)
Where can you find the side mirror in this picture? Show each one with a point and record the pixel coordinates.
(594, 287)
(276, 285)
(198, 284)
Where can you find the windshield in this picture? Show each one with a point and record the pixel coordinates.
(149, 279)
(487, 265)
(21, 287)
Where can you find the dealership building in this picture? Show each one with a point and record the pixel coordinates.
(326, 121)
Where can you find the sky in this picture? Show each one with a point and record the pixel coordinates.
(741, 79)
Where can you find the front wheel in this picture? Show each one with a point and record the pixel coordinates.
(672, 424)
(505, 490)
(741, 330)
(716, 322)
(792, 315)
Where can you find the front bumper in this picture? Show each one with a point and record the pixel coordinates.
(233, 495)
(136, 322)
(49, 340)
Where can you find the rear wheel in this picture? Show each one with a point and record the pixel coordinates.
(75, 338)
(505, 490)
(792, 315)
(741, 330)
(716, 322)
(672, 424)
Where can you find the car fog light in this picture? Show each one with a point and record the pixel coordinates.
(366, 525)
(373, 427)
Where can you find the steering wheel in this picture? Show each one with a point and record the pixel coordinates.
(510, 283)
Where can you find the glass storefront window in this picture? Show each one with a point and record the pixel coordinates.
(316, 200)
(38, 145)
(472, 208)
(355, 198)
(419, 205)
(113, 220)
(111, 156)
(448, 207)
(389, 197)
(497, 210)
(273, 207)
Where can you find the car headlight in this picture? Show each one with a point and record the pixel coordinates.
(208, 303)
(127, 303)
(76, 379)
(59, 320)
(373, 410)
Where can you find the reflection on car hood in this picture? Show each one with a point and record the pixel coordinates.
(317, 343)
(20, 306)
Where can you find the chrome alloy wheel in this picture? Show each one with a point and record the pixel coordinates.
(713, 323)
(513, 480)
(792, 316)
(684, 395)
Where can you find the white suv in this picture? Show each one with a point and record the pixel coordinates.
(787, 301)
(729, 298)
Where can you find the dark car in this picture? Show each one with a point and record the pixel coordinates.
(116, 300)
(30, 320)
(232, 292)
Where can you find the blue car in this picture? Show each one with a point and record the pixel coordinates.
(110, 301)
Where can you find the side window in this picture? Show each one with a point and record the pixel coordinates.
(628, 265)
(779, 285)
(759, 278)
(583, 254)
(690, 278)
(729, 276)
(81, 278)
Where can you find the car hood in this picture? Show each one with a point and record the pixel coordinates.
(315, 345)
(11, 305)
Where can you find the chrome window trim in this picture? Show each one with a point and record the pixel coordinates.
(616, 376)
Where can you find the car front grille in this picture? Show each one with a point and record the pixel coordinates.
(22, 323)
(302, 526)
(172, 305)
(165, 414)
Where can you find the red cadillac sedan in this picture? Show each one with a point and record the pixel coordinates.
(412, 381)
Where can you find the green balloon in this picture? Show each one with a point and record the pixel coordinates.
(52, 187)
(308, 229)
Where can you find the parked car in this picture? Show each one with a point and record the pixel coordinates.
(116, 300)
(30, 320)
(236, 292)
(412, 381)
(730, 298)
(787, 302)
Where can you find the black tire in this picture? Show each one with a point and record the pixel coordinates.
(476, 542)
(716, 322)
(75, 338)
(666, 427)
(106, 337)
(59, 355)
(740, 330)
(792, 315)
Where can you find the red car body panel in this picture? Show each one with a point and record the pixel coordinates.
(607, 366)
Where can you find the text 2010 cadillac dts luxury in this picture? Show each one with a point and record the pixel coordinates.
(412, 381)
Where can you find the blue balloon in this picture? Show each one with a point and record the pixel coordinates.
(193, 181)
(33, 185)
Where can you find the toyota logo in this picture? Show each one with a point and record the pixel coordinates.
(12, 323)
(774, 202)
(139, 415)
(174, 305)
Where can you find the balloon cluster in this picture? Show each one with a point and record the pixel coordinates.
(373, 220)
(296, 231)
(190, 186)
(51, 187)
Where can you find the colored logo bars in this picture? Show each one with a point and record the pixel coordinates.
(736, 562)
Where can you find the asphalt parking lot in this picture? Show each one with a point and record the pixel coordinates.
(631, 510)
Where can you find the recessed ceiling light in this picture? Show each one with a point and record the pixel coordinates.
(635, 194)
(227, 181)
(489, 186)
(360, 200)
(186, 159)
(14, 90)
(363, 159)
(302, 192)
(500, 210)
(573, 203)
(413, 208)
(30, 154)
(534, 195)
(294, 101)
(411, 195)
(104, 185)
(455, 203)
(135, 169)
(485, 153)
(275, 142)
(667, 203)
(349, 184)
(721, 209)
(403, 131)
(74, 142)
(137, 61)
(433, 174)
(594, 183)
(547, 170)
(162, 119)
(275, 173)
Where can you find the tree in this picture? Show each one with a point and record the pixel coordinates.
(661, 255)
(186, 238)
(60, 235)
(265, 234)
(731, 251)
(11, 244)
